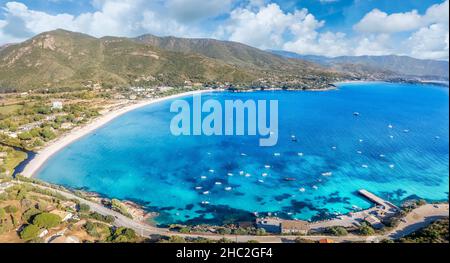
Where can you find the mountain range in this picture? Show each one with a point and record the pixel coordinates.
(64, 59)
(398, 65)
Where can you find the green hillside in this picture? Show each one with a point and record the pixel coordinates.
(60, 59)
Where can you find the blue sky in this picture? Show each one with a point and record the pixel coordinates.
(418, 28)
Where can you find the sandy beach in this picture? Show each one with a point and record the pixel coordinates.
(43, 155)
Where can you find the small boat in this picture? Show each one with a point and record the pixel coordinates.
(290, 179)
(293, 138)
(437, 137)
(206, 192)
(327, 174)
(315, 187)
(334, 147)
(359, 152)
(261, 181)
(302, 190)
(228, 188)
(356, 113)
(365, 166)
(241, 173)
(205, 203)
(203, 177)
(300, 154)
(267, 166)
(218, 183)
(243, 154)
(390, 126)
(229, 174)
(361, 140)
(391, 166)
(391, 136)
(277, 154)
(406, 131)
(198, 188)
(264, 174)
(211, 171)
(382, 155)
(247, 175)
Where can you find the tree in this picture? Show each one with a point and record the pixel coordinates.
(46, 220)
(337, 231)
(11, 209)
(366, 230)
(2, 214)
(25, 136)
(29, 232)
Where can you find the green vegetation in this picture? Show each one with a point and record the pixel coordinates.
(438, 232)
(46, 220)
(123, 235)
(119, 207)
(336, 231)
(366, 230)
(29, 232)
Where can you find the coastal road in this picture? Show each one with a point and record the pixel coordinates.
(415, 220)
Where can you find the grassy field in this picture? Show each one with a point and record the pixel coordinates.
(13, 159)
(8, 109)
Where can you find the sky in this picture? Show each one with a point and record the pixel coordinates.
(417, 28)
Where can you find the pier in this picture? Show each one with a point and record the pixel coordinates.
(377, 200)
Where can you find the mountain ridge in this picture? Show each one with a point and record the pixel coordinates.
(70, 59)
(403, 65)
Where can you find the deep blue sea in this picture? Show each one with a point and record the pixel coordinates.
(397, 148)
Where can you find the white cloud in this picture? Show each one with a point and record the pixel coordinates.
(430, 42)
(267, 27)
(377, 21)
(113, 17)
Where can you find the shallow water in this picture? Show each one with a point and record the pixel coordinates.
(135, 157)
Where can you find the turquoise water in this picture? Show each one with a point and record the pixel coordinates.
(135, 157)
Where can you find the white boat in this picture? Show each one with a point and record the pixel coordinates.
(390, 126)
(241, 173)
(247, 175)
(206, 192)
(391, 166)
(211, 171)
(267, 166)
(198, 188)
(218, 183)
(261, 181)
(315, 187)
(364, 166)
(382, 155)
(264, 174)
(229, 174)
(437, 137)
(243, 154)
(327, 174)
(205, 203)
(359, 152)
(361, 140)
(302, 190)
(391, 136)
(406, 131)
(228, 188)
(334, 147)
(356, 113)
(300, 154)
(203, 177)
(277, 154)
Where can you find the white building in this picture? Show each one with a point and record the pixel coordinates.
(57, 105)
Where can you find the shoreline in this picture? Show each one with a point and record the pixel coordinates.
(77, 133)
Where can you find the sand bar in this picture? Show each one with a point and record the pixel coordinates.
(43, 155)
